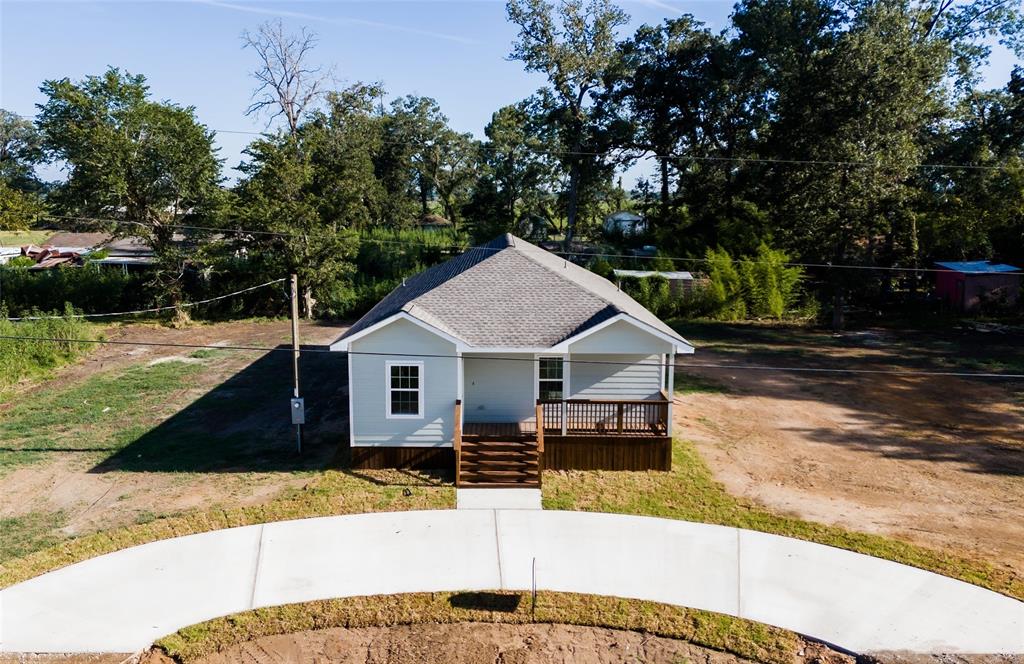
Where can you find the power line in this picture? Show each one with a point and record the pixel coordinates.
(724, 367)
(676, 157)
(362, 240)
(183, 305)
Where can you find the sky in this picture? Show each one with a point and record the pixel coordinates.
(191, 52)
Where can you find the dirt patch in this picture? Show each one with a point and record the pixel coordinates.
(937, 461)
(481, 643)
(92, 497)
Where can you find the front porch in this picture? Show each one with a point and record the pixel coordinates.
(564, 434)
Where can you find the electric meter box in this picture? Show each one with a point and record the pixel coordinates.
(298, 411)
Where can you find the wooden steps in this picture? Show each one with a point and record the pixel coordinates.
(500, 464)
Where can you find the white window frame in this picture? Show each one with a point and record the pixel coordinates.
(536, 373)
(388, 389)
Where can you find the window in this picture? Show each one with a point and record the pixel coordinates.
(405, 389)
(550, 374)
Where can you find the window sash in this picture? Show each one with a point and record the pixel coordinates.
(550, 378)
(404, 382)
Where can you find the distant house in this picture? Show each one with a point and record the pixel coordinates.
(507, 359)
(434, 222)
(967, 285)
(625, 223)
(96, 248)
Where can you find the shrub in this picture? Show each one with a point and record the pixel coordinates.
(725, 287)
(20, 358)
(770, 288)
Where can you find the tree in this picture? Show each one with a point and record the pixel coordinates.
(517, 165)
(574, 45)
(20, 152)
(288, 85)
(668, 83)
(129, 158)
(343, 144)
(978, 210)
(281, 198)
(453, 164)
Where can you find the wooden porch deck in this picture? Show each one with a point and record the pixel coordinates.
(575, 434)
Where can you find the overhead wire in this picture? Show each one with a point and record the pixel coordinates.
(183, 305)
(361, 240)
(679, 157)
(570, 360)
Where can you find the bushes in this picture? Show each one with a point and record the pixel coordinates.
(91, 289)
(761, 286)
(19, 359)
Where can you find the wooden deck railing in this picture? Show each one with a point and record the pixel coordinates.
(540, 435)
(458, 440)
(582, 417)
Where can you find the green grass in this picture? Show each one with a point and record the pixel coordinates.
(19, 238)
(746, 639)
(690, 492)
(23, 358)
(95, 417)
(30, 532)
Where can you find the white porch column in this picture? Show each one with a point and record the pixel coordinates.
(671, 389)
(460, 383)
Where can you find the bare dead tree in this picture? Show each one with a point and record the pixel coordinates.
(287, 84)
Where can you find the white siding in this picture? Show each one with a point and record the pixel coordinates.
(368, 385)
(615, 376)
(621, 337)
(498, 390)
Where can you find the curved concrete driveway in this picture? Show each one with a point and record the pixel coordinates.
(122, 601)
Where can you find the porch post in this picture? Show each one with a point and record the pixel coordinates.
(671, 391)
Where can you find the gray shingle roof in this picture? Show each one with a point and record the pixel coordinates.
(509, 293)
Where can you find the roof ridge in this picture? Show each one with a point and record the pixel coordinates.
(566, 262)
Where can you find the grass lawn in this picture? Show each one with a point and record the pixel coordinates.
(754, 641)
(95, 417)
(689, 492)
(19, 238)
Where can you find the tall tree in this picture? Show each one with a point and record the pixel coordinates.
(130, 158)
(282, 196)
(517, 162)
(20, 152)
(573, 43)
(288, 84)
(669, 79)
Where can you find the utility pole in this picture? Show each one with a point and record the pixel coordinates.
(298, 407)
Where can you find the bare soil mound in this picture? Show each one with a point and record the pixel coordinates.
(479, 643)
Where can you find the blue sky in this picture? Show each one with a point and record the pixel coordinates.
(190, 51)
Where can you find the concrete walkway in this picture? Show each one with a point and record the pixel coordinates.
(122, 601)
(497, 499)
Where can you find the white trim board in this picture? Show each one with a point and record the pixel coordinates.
(421, 387)
(680, 346)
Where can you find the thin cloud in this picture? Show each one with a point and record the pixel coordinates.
(661, 5)
(337, 21)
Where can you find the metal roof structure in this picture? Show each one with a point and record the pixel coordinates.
(977, 267)
(670, 275)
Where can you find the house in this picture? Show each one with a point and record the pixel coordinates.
(97, 248)
(506, 359)
(433, 222)
(624, 223)
(967, 285)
